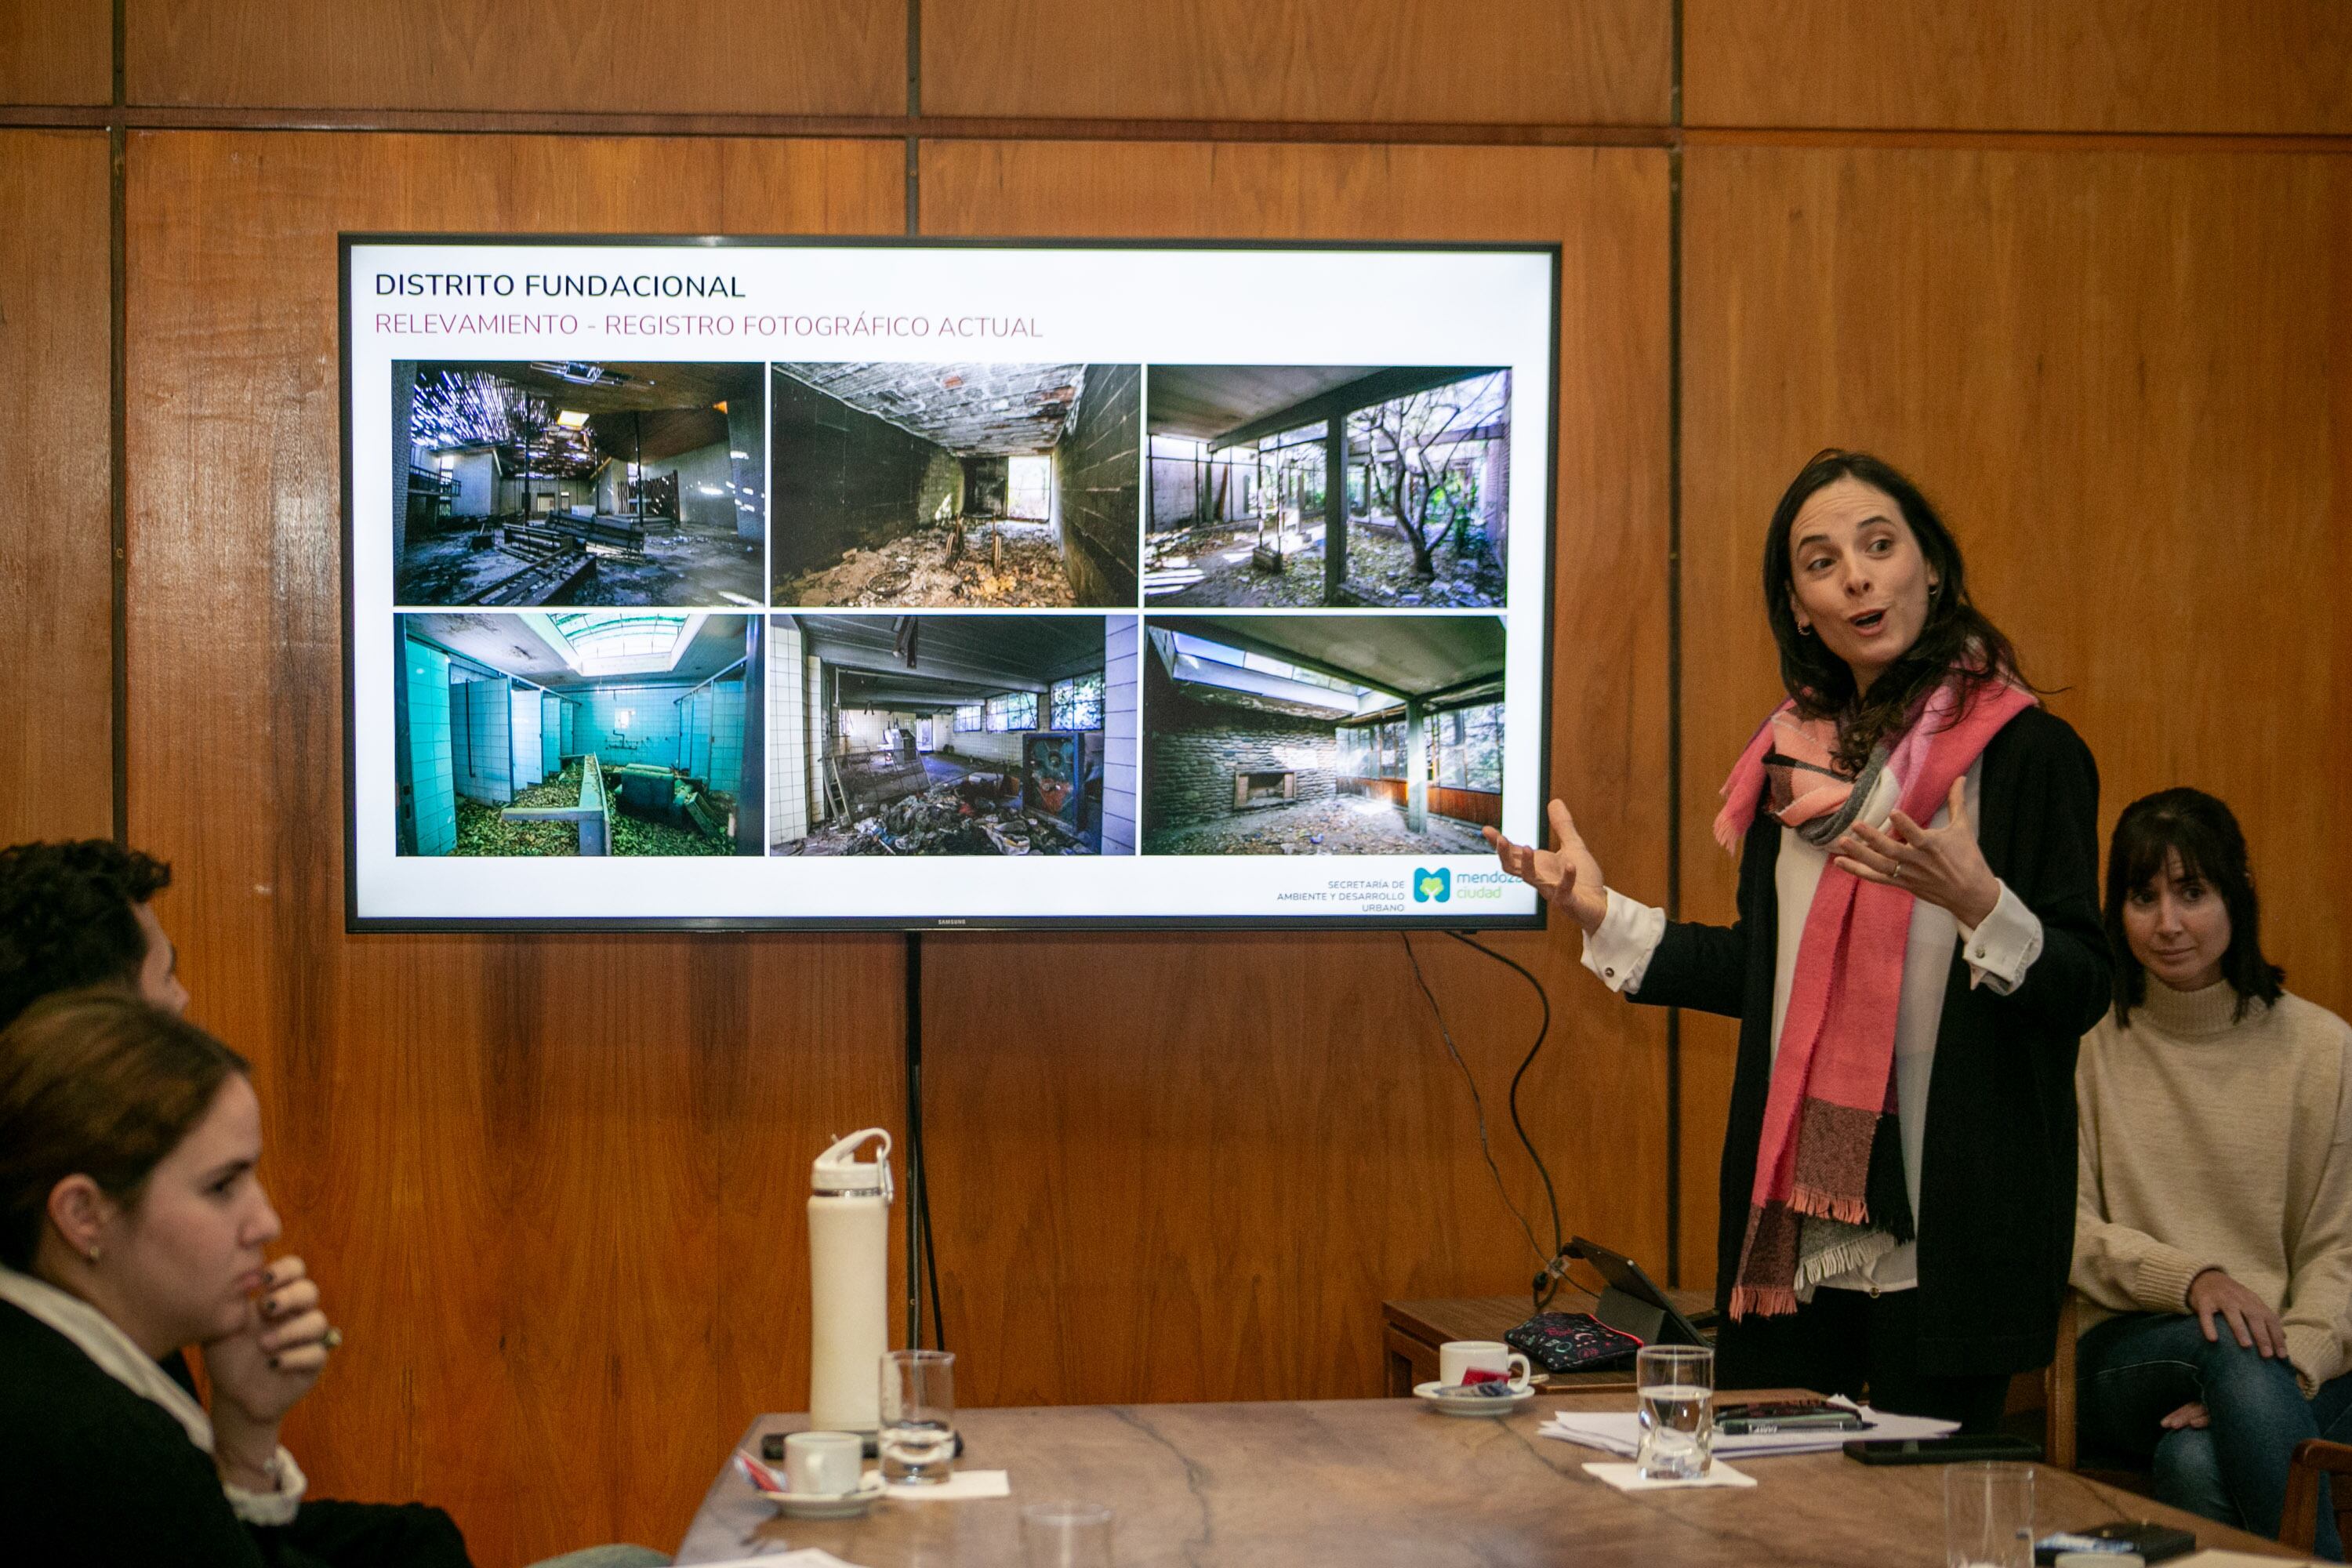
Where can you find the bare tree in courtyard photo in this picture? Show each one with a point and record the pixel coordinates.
(1413, 441)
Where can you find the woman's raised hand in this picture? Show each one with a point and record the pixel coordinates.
(1566, 874)
(1940, 866)
(258, 1371)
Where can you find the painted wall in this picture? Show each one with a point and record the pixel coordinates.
(631, 724)
(1121, 637)
(529, 747)
(1098, 486)
(842, 478)
(481, 717)
(428, 784)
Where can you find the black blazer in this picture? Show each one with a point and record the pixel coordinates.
(92, 1475)
(1997, 1167)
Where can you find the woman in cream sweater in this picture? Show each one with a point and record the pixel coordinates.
(2214, 1233)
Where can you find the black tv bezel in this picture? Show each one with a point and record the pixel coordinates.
(356, 924)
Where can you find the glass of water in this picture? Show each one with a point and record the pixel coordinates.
(1676, 1384)
(917, 1435)
(1988, 1516)
(1066, 1535)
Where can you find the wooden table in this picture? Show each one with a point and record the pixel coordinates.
(1384, 1481)
(1414, 1329)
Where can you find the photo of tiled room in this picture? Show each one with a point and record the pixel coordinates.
(577, 733)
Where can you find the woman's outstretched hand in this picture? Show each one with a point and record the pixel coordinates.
(1940, 866)
(1566, 874)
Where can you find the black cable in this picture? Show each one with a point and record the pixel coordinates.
(1551, 1195)
(1478, 1108)
(923, 1258)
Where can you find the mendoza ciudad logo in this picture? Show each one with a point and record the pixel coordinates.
(1430, 886)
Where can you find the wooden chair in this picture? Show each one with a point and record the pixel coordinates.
(2316, 1458)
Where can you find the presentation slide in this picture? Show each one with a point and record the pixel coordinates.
(751, 583)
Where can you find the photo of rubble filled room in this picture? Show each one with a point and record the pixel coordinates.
(579, 484)
(1322, 734)
(579, 733)
(952, 734)
(956, 486)
(1241, 514)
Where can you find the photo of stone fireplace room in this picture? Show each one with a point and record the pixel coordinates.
(956, 486)
(952, 734)
(1322, 734)
(579, 484)
(578, 733)
(1241, 514)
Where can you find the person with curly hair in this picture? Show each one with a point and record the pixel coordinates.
(80, 913)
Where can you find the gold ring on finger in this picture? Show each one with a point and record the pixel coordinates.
(333, 1339)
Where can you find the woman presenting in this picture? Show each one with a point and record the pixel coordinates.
(1917, 952)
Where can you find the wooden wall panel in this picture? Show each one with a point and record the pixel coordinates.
(56, 51)
(57, 573)
(1576, 62)
(1191, 1167)
(552, 1184)
(2119, 376)
(2281, 68)
(718, 57)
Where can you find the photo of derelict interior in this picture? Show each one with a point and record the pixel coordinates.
(1245, 510)
(578, 483)
(979, 486)
(1322, 734)
(587, 732)
(952, 734)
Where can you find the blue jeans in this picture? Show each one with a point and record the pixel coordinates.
(2132, 1372)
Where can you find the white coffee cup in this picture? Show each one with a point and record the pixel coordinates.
(1456, 1359)
(823, 1464)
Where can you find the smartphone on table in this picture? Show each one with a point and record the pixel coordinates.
(1756, 1417)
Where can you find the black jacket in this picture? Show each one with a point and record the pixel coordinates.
(1997, 1167)
(91, 1474)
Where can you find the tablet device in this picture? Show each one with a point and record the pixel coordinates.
(1630, 1303)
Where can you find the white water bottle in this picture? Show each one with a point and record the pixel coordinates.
(849, 1270)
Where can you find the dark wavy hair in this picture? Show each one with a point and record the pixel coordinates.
(1956, 635)
(2202, 831)
(67, 920)
(95, 1083)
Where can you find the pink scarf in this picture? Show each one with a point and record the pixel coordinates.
(1833, 1077)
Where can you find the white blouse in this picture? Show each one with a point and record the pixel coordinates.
(1999, 953)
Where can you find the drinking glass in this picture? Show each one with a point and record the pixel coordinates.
(1988, 1515)
(918, 1437)
(1066, 1535)
(1676, 1384)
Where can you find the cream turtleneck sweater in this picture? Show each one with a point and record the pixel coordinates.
(2209, 1143)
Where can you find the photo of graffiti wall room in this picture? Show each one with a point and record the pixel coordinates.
(956, 486)
(952, 734)
(579, 733)
(1241, 514)
(1322, 734)
(579, 483)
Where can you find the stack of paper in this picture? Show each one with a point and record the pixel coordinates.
(1619, 1431)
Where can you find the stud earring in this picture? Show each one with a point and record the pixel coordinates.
(92, 1256)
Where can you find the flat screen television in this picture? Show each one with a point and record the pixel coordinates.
(773, 582)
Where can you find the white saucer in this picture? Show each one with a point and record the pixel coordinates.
(829, 1505)
(1442, 1396)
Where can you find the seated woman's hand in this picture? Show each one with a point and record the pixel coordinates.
(2193, 1414)
(260, 1370)
(2252, 1322)
(1565, 875)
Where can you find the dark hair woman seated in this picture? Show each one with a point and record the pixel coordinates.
(2213, 1226)
(133, 1223)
